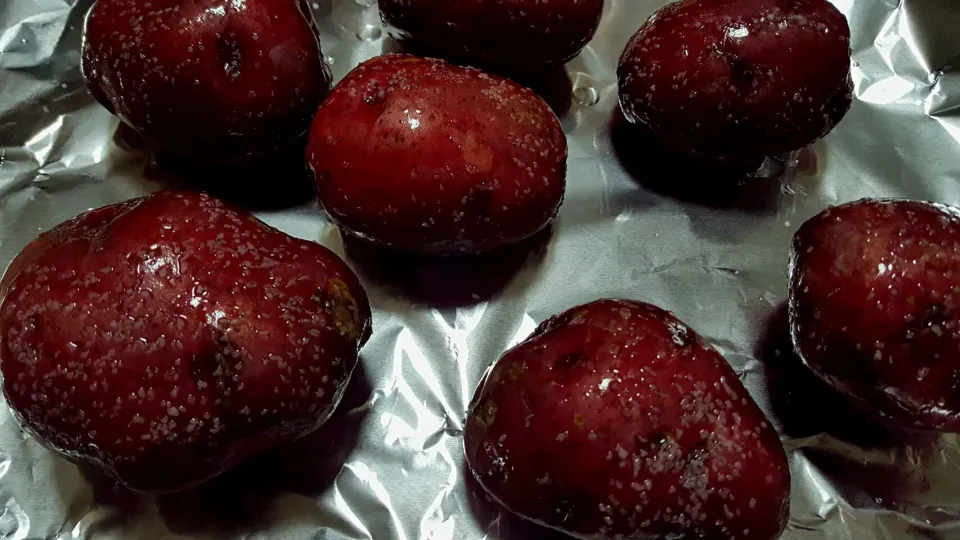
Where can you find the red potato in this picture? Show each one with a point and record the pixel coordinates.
(738, 80)
(616, 420)
(428, 157)
(164, 339)
(518, 36)
(210, 80)
(875, 307)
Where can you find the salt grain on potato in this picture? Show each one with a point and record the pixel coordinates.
(424, 156)
(615, 420)
(130, 341)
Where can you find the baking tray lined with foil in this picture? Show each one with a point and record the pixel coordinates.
(389, 465)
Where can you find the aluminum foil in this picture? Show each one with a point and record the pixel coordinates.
(389, 465)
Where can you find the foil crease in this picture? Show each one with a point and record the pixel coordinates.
(390, 465)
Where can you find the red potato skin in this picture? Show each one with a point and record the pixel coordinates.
(164, 339)
(427, 157)
(734, 81)
(616, 420)
(875, 307)
(208, 80)
(514, 36)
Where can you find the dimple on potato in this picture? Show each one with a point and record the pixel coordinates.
(875, 307)
(428, 157)
(164, 339)
(517, 37)
(616, 420)
(738, 80)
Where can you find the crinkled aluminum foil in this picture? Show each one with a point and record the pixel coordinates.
(389, 466)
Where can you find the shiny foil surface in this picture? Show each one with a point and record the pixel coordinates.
(389, 465)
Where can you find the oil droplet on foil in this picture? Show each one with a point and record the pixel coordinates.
(586, 96)
(369, 33)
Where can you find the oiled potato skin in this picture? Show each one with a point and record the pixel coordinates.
(425, 156)
(208, 80)
(516, 36)
(616, 420)
(164, 339)
(733, 80)
(875, 307)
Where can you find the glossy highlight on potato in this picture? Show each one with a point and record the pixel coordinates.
(875, 307)
(424, 156)
(616, 420)
(166, 338)
(516, 37)
(208, 80)
(738, 80)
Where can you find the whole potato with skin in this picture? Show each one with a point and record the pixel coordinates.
(164, 339)
(209, 80)
(875, 307)
(616, 420)
(737, 80)
(428, 157)
(514, 36)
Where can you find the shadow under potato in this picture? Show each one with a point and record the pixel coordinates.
(243, 496)
(496, 521)
(869, 461)
(276, 183)
(444, 281)
(753, 187)
(554, 86)
(806, 405)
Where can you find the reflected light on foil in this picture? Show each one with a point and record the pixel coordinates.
(97, 154)
(13, 513)
(940, 102)
(888, 43)
(845, 6)
(438, 530)
(951, 125)
(824, 492)
(89, 522)
(345, 512)
(371, 479)
(435, 525)
(465, 322)
(41, 144)
(399, 432)
(887, 91)
(527, 326)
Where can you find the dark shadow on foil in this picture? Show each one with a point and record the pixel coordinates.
(392, 46)
(274, 184)
(444, 281)
(805, 404)
(244, 496)
(867, 460)
(497, 522)
(754, 188)
(553, 85)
